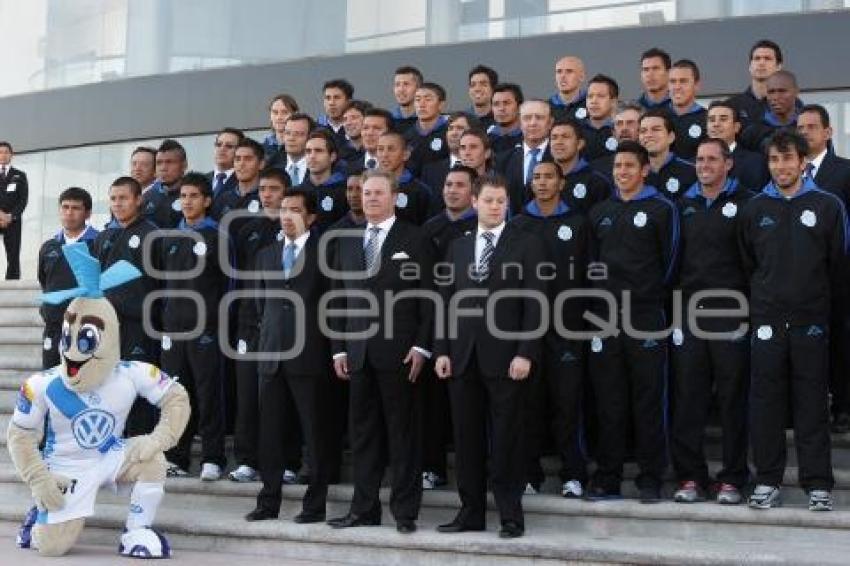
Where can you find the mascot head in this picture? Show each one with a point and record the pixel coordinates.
(90, 346)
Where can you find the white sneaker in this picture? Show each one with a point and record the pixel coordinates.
(210, 472)
(530, 489)
(430, 480)
(244, 474)
(144, 543)
(290, 477)
(572, 489)
(765, 497)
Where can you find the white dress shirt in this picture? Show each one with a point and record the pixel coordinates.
(526, 153)
(301, 164)
(816, 162)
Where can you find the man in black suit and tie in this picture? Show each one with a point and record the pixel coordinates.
(517, 165)
(831, 173)
(488, 373)
(294, 360)
(14, 192)
(222, 178)
(388, 257)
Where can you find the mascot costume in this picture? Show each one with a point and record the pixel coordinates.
(84, 402)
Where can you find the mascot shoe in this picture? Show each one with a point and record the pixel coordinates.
(144, 543)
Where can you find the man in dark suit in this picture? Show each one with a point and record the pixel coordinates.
(831, 173)
(222, 178)
(749, 167)
(294, 360)
(14, 192)
(516, 165)
(391, 257)
(488, 372)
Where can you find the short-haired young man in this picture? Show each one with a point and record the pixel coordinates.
(687, 114)
(54, 273)
(427, 137)
(160, 204)
(326, 184)
(668, 172)
(583, 186)
(794, 245)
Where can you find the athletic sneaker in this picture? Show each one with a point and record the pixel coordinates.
(688, 492)
(210, 472)
(728, 494)
(431, 480)
(174, 471)
(765, 497)
(290, 477)
(820, 500)
(244, 474)
(531, 490)
(572, 489)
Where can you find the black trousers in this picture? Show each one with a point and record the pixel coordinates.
(629, 378)
(790, 365)
(50, 345)
(283, 396)
(197, 364)
(477, 399)
(554, 401)
(385, 405)
(437, 422)
(12, 245)
(704, 368)
(137, 346)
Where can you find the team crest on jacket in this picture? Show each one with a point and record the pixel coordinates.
(166, 343)
(200, 248)
(730, 209)
(611, 144)
(580, 190)
(640, 219)
(175, 205)
(678, 337)
(565, 233)
(254, 207)
(436, 144)
(401, 199)
(596, 344)
(327, 203)
(695, 131)
(673, 185)
(764, 332)
(581, 113)
(808, 218)
(134, 241)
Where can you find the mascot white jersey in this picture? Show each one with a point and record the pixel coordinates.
(83, 405)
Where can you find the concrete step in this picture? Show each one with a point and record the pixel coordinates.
(557, 531)
(20, 316)
(21, 335)
(19, 285)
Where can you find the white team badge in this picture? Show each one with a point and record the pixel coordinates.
(565, 233)
(134, 241)
(166, 342)
(242, 347)
(436, 144)
(580, 191)
(730, 209)
(48, 343)
(764, 332)
(808, 218)
(175, 206)
(200, 248)
(673, 185)
(401, 200)
(254, 207)
(279, 236)
(678, 337)
(611, 144)
(596, 344)
(695, 131)
(581, 113)
(327, 203)
(640, 219)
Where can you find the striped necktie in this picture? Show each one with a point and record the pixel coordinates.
(486, 254)
(371, 250)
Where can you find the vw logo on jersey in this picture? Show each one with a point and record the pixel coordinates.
(92, 428)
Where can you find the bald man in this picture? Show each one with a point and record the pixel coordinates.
(782, 91)
(569, 101)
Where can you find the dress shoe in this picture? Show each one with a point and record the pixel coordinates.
(405, 527)
(511, 529)
(305, 517)
(261, 514)
(351, 520)
(458, 526)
